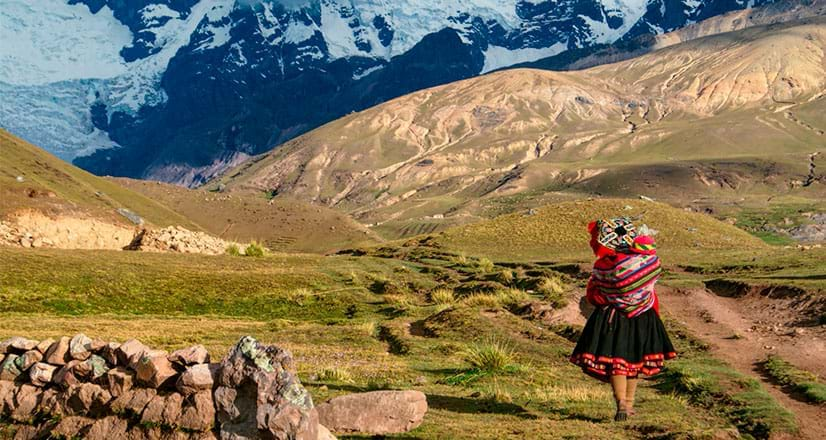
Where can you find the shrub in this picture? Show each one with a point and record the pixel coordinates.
(489, 356)
(233, 250)
(442, 296)
(254, 249)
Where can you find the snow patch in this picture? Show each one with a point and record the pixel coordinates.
(47, 41)
(497, 57)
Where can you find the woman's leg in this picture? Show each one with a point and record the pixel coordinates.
(630, 391)
(619, 383)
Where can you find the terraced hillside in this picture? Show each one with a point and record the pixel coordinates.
(712, 122)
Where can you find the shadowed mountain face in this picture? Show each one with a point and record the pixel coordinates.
(179, 90)
(733, 114)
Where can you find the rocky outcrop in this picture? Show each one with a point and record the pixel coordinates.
(376, 412)
(177, 239)
(79, 387)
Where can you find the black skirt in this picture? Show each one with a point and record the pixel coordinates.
(613, 344)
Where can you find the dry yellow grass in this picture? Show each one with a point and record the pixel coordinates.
(560, 230)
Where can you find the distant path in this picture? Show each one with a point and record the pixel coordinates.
(715, 319)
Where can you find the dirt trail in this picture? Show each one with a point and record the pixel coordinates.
(715, 319)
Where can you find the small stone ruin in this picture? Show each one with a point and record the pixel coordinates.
(84, 388)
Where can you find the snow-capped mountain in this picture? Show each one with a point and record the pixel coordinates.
(180, 89)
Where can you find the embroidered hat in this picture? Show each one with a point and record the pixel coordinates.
(616, 233)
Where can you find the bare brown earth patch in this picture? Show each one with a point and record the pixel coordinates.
(744, 330)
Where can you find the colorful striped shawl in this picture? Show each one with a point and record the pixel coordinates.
(627, 281)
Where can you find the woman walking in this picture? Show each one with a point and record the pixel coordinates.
(624, 336)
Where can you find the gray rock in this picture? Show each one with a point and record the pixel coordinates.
(195, 379)
(29, 358)
(198, 412)
(108, 428)
(374, 413)
(72, 427)
(129, 353)
(17, 344)
(58, 352)
(44, 345)
(155, 370)
(265, 384)
(93, 368)
(80, 347)
(41, 374)
(9, 369)
(119, 380)
(197, 354)
(27, 399)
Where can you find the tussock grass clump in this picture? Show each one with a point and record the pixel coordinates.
(401, 301)
(255, 249)
(233, 250)
(553, 290)
(487, 300)
(512, 297)
(299, 296)
(506, 276)
(490, 356)
(799, 380)
(442, 296)
(485, 265)
(335, 374)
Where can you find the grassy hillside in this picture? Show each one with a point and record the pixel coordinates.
(55, 187)
(281, 223)
(560, 231)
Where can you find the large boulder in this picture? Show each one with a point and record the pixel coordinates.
(259, 380)
(374, 413)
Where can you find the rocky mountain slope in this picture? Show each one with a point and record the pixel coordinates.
(728, 115)
(179, 90)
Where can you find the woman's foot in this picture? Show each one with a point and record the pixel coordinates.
(622, 411)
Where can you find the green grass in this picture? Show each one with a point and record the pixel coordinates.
(332, 313)
(803, 382)
(712, 384)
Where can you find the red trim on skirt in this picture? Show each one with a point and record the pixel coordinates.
(603, 367)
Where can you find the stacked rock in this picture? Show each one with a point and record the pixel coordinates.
(80, 387)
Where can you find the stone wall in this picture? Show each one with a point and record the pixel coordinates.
(83, 388)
